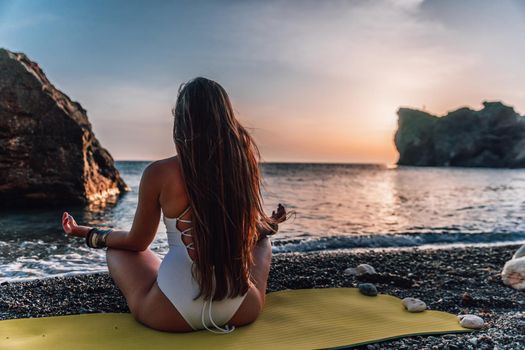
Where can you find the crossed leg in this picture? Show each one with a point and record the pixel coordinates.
(134, 274)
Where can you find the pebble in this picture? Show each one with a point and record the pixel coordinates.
(360, 270)
(471, 321)
(368, 289)
(467, 299)
(507, 326)
(349, 271)
(414, 305)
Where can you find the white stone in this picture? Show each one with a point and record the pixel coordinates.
(519, 253)
(471, 321)
(473, 341)
(360, 270)
(414, 305)
(513, 273)
(350, 271)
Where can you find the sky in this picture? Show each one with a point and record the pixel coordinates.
(314, 81)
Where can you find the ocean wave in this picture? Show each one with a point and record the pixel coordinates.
(313, 244)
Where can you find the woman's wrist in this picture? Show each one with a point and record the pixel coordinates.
(96, 238)
(82, 231)
(265, 232)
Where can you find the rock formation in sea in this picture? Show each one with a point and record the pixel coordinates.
(48, 152)
(491, 137)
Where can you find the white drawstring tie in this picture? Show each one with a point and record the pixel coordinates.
(219, 330)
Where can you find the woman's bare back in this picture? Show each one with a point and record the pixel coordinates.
(173, 201)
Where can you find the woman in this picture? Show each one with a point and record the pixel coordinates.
(215, 273)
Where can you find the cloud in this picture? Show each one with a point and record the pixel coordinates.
(407, 5)
(312, 78)
(339, 39)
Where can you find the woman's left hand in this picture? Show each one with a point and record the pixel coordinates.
(71, 228)
(280, 215)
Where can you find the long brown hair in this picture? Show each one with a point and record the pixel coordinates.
(220, 166)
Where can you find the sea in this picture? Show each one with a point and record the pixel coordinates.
(348, 207)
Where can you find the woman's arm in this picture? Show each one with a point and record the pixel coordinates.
(267, 232)
(145, 222)
(147, 215)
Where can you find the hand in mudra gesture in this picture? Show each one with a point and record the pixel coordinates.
(280, 215)
(71, 228)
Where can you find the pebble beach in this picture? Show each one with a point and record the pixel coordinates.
(459, 281)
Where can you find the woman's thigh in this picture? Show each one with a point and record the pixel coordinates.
(159, 313)
(135, 274)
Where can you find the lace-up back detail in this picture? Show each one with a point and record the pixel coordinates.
(175, 279)
(174, 233)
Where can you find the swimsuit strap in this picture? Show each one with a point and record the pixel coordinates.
(184, 232)
(182, 214)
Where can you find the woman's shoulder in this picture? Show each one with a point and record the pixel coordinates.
(166, 171)
(168, 175)
(166, 166)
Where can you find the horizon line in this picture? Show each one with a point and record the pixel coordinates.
(280, 162)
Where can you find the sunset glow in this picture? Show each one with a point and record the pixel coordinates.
(319, 82)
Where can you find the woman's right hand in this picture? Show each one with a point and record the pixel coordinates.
(71, 228)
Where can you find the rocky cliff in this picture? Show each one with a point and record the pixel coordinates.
(48, 152)
(491, 137)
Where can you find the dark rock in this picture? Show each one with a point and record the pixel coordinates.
(48, 152)
(491, 137)
(467, 299)
(368, 289)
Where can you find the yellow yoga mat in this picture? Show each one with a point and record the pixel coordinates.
(292, 319)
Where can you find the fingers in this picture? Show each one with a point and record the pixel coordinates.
(67, 222)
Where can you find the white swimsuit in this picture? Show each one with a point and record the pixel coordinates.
(175, 280)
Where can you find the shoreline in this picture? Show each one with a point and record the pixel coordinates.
(439, 277)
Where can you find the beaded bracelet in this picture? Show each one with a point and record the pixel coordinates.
(96, 238)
